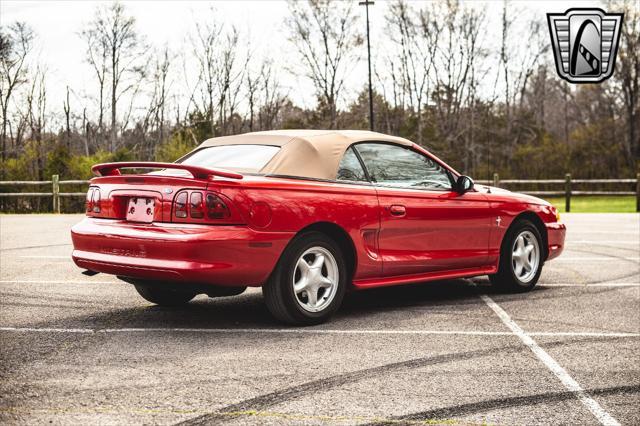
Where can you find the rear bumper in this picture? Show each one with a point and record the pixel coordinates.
(198, 254)
(555, 235)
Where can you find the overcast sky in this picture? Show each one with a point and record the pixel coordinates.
(57, 24)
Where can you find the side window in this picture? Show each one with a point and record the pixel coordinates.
(350, 168)
(393, 165)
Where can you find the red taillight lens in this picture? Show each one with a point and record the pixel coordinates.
(96, 200)
(181, 205)
(197, 209)
(193, 206)
(89, 203)
(93, 200)
(216, 208)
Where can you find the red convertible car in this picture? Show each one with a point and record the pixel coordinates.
(307, 215)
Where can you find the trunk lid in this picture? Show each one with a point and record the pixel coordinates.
(117, 192)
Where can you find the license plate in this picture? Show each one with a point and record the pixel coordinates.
(140, 209)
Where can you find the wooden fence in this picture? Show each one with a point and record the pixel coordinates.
(55, 193)
(566, 184)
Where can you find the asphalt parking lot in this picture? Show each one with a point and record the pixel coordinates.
(87, 350)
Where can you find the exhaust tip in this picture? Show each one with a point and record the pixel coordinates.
(90, 273)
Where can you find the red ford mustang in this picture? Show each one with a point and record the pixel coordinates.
(307, 215)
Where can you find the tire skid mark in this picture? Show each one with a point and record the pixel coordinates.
(262, 402)
(462, 410)
(537, 292)
(608, 246)
(49, 297)
(622, 277)
(612, 256)
(44, 305)
(622, 258)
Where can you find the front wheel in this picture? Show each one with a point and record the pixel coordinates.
(308, 284)
(521, 258)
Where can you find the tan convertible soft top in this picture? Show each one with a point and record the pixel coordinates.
(305, 153)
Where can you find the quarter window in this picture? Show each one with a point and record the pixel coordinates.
(392, 165)
(350, 168)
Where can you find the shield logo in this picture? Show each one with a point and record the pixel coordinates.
(585, 43)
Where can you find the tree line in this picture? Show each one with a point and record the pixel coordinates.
(482, 105)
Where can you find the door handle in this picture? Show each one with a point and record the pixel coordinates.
(397, 210)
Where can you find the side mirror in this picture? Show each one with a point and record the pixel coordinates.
(464, 184)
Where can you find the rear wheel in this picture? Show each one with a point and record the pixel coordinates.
(163, 295)
(521, 258)
(309, 282)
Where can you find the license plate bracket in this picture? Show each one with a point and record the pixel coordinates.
(140, 209)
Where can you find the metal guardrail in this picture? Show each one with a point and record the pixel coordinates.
(567, 191)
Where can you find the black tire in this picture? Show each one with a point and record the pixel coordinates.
(506, 278)
(279, 294)
(164, 295)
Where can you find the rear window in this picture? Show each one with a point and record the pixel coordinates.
(242, 158)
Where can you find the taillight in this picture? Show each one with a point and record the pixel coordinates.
(200, 205)
(181, 205)
(93, 200)
(197, 209)
(89, 205)
(96, 200)
(216, 208)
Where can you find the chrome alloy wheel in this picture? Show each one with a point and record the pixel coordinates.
(525, 256)
(315, 279)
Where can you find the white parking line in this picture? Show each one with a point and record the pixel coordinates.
(305, 331)
(571, 385)
(561, 258)
(590, 285)
(602, 284)
(595, 259)
(56, 282)
(565, 259)
(631, 242)
(47, 257)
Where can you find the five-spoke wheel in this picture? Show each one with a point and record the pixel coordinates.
(525, 256)
(315, 279)
(308, 284)
(521, 258)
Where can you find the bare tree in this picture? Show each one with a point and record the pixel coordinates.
(221, 72)
(161, 75)
(253, 81)
(66, 106)
(205, 43)
(156, 113)
(16, 42)
(114, 34)
(96, 55)
(272, 98)
(325, 34)
(416, 40)
(230, 76)
(33, 115)
(458, 29)
(518, 64)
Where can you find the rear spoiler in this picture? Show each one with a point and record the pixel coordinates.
(113, 169)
